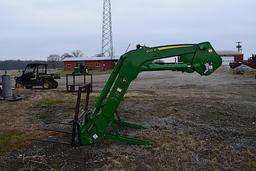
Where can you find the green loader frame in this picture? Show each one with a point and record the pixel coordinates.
(103, 122)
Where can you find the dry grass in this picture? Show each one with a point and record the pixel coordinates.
(48, 102)
(10, 140)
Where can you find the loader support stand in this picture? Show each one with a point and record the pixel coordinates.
(72, 85)
(121, 123)
(80, 115)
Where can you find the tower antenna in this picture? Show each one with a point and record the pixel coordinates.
(107, 41)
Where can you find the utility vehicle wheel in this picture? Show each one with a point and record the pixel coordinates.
(54, 84)
(47, 84)
(29, 86)
(19, 85)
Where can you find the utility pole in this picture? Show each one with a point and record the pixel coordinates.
(107, 41)
(239, 46)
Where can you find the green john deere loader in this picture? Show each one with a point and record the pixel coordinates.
(103, 122)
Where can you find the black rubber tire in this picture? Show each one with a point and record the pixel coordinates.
(28, 86)
(54, 84)
(19, 84)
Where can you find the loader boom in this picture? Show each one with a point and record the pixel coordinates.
(200, 58)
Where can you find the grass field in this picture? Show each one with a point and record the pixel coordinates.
(197, 123)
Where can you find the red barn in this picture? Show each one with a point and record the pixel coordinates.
(94, 63)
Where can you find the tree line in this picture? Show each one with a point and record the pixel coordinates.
(20, 65)
(54, 61)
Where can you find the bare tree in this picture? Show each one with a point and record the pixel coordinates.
(53, 57)
(66, 55)
(77, 53)
(73, 54)
(53, 60)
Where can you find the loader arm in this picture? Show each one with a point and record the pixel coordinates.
(200, 58)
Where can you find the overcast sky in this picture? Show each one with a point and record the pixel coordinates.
(33, 29)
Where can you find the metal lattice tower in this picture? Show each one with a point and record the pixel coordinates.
(107, 41)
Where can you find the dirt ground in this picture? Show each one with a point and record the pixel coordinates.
(197, 123)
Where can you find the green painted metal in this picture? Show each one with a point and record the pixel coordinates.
(120, 123)
(80, 69)
(200, 58)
